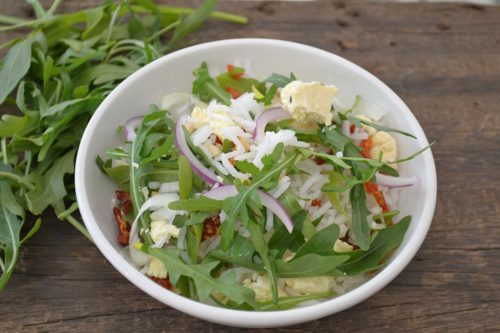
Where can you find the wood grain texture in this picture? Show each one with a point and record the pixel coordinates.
(444, 61)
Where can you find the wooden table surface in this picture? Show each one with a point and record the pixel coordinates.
(444, 61)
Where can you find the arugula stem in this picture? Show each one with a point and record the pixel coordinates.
(78, 226)
(53, 7)
(164, 30)
(223, 16)
(6, 19)
(69, 211)
(4, 151)
(17, 179)
(2, 265)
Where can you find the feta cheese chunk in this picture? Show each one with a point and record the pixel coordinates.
(310, 285)
(309, 101)
(261, 285)
(157, 269)
(161, 232)
(385, 143)
(341, 246)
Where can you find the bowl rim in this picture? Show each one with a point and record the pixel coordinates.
(256, 319)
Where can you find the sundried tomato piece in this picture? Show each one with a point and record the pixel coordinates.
(234, 93)
(366, 145)
(125, 202)
(210, 227)
(316, 202)
(165, 282)
(123, 227)
(374, 190)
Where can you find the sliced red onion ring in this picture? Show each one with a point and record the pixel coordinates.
(390, 181)
(223, 192)
(266, 117)
(180, 142)
(130, 126)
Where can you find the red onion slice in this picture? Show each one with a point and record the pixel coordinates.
(223, 192)
(180, 142)
(130, 126)
(265, 118)
(390, 181)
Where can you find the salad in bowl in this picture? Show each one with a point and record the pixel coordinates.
(258, 193)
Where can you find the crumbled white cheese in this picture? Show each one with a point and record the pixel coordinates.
(216, 116)
(341, 246)
(161, 232)
(261, 285)
(310, 285)
(309, 101)
(370, 130)
(156, 268)
(385, 143)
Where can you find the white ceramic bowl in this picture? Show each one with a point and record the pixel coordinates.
(173, 73)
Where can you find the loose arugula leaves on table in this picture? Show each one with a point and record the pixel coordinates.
(60, 71)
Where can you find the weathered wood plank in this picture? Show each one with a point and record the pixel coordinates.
(444, 61)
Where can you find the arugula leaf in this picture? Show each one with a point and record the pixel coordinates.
(279, 80)
(206, 88)
(360, 214)
(236, 206)
(200, 204)
(192, 22)
(63, 67)
(285, 303)
(310, 265)
(261, 247)
(200, 274)
(281, 240)
(193, 239)
(320, 243)
(385, 241)
(357, 122)
(11, 221)
(185, 177)
(50, 187)
(15, 66)
(136, 171)
(240, 254)
(241, 84)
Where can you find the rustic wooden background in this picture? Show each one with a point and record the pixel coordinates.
(444, 61)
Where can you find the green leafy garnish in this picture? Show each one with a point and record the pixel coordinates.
(206, 88)
(200, 274)
(385, 241)
(56, 75)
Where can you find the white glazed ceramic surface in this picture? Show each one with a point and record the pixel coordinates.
(173, 73)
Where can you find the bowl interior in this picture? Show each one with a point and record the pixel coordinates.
(173, 73)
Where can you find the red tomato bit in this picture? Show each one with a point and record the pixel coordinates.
(125, 202)
(234, 93)
(366, 145)
(231, 70)
(319, 161)
(316, 202)
(352, 128)
(374, 190)
(123, 227)
(165, 283)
